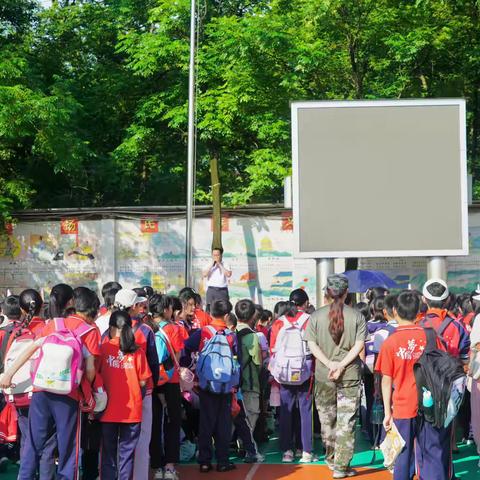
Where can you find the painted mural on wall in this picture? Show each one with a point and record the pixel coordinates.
(146, 251)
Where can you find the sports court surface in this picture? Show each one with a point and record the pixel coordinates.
(466, 467)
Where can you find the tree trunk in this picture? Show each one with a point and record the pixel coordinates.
(217, 203)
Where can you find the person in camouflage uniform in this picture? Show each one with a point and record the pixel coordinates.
(337, 405)
(336, 336)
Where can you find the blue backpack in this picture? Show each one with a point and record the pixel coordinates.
(217, 369)
(165, 360)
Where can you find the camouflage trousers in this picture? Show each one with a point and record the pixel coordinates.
(337, 405)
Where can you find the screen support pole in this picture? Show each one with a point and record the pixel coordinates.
(324, 268)
(437, 268)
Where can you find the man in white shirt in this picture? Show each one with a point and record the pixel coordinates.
(217, 274)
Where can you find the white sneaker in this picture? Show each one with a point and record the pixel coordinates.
(288, 457)
(308, 458)
(344, 473)
(170, 475)
(158, 474)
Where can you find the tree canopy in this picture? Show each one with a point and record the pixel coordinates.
(93, 93)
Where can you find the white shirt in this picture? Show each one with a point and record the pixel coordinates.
(475, 333)
(102, 322)
(216, 278)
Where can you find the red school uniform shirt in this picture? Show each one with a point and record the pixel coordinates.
(90, 341)
(36, 325)
(174, 334)
(200, 319)
(207, 334)
(122, 374)
(398, 354)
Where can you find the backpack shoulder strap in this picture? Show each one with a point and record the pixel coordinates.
(444, 325)
(432, 336)
(244, 332)
(59, 323)
(211, 330)
(302, 320)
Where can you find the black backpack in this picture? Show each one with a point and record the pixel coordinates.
(437, 372)
(245, 363)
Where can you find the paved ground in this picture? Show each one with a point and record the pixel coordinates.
(466, 467)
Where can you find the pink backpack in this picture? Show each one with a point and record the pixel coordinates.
(59, 367)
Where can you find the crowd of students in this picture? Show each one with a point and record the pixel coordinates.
(148, 379)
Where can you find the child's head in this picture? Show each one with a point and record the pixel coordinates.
(30, 302)
(280, 309)
(86, 302)
(376, 292)
(465, 304)
(121, 326)
(109, 290)
(149, 291)
(61, 299)
(407, 307)
(435, 293)
(198, 300)
(11, 307)
(245, 311)
(161, 306)
(389, 304)
(376, 308)
(130, 301)
(364, 309)
(221, 309)
(187, 297)
(266, 318)
(231, 321)
(299, 297)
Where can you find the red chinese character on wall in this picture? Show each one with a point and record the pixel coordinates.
(9, 228)
(69, 226)
(287, 222)
(225, 223)
(149, 226)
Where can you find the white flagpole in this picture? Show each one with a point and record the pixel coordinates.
(191, 151)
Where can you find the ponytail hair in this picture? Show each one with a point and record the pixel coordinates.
(376, 307)
(337, 320)
(121, 320)
(31, 302)
(60, 295)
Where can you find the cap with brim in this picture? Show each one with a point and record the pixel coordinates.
(128, 298)
(431, 297)
(337, 283)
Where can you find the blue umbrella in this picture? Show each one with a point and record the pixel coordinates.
(360, 281)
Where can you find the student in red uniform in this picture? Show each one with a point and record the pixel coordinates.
(200, 317)
(163, 460)
(398, 354)
(128, 300)
(185, 317)
(50, 411)
(109, 290)
(215, 409)
(436, 296)
(31, 304)
(429, 446)
(125, 372)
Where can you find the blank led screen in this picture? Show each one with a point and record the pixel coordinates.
(379, 178)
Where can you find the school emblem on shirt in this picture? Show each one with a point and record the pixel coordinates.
(411, 352)
(121, 361)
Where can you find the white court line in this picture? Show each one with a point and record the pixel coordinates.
(252, 471)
